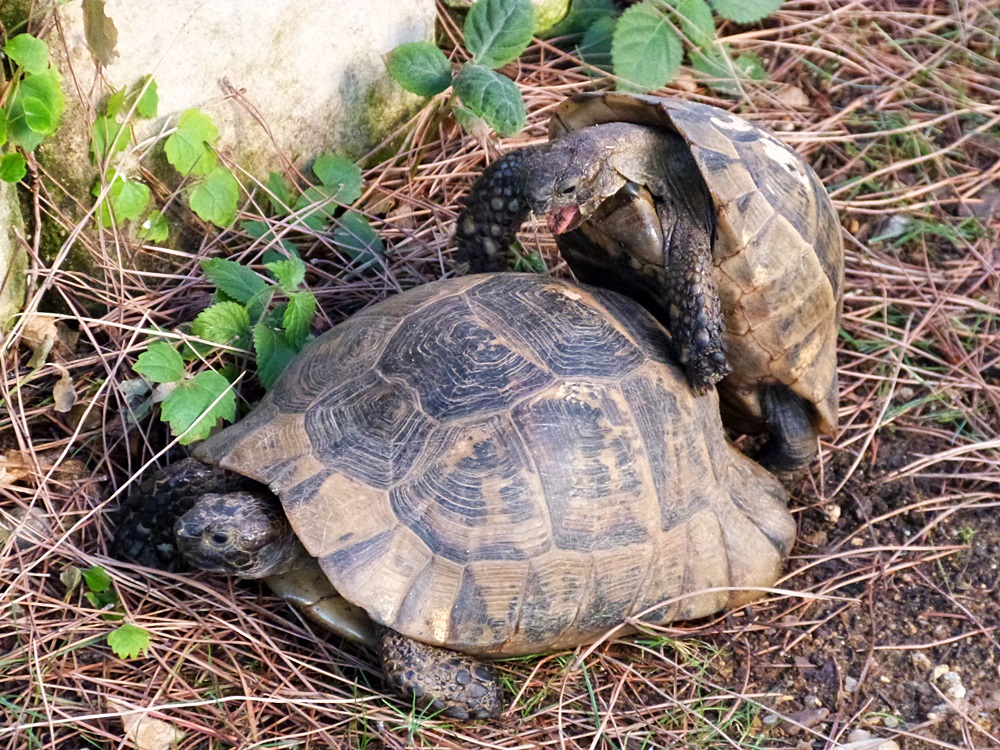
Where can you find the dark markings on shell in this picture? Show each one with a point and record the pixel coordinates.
(374, 436)
(713, 161)
(651, 337)
(485, 610)
(457, 366)
(560, 327)
(470, 497)
(583, 446)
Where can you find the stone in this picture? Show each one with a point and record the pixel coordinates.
(547, 12)
(13, 257)
(312, 72)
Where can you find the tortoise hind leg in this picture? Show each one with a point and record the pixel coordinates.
(792, 441)
(464, 687)
(494, 211)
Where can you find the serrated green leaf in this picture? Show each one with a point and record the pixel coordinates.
(491, 96)
(195, 406)
(97, 579)
(298, 318)
(694, 18)
(595, 46)
(188, 148)
(279, 194)
(233, 279)
(721, 72)
(215, 198)
(129, 641)
(274, 353)
(340, 176)
(288, 272)
(115, 103)
(13, 167)
(149, 98)
(30, 53)
(33, 112)
(646, 52)
(160, 363)
(420, 68)
(745, 11)
(223, 323)
(109, 138)
(356, 237)
(100, 32)
(155, 228)
(498, 31)
(582, 15)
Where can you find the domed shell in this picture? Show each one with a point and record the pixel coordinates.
(507, 464)
(779, 255)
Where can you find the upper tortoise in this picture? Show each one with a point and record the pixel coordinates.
(493, 465)
(715, 226)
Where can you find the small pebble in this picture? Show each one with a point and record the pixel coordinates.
(850, 684)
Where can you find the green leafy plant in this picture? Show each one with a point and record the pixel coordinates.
(30, 105)
(645, 45)
(127, 641)
(496, 32)
(272, 315)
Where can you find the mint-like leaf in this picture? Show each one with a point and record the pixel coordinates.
(420, 68)
(233, 279)
(223, 323)
(195, 406)
(298, 317)
(746, 11)
(288, 272)
(493, 97)
(498, 31)
(646, 52)
(274, 353)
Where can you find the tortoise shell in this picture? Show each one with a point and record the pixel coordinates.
(506, 464)
(778, 255)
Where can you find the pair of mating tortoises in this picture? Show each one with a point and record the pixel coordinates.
(504, 464)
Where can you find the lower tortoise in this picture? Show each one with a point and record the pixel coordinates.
(480, 467)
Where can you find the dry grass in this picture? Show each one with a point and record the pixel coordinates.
(899, 522)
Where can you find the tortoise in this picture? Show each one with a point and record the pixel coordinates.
(479, 467)
(719, 229)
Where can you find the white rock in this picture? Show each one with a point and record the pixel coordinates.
(13, 257)
(313, 71)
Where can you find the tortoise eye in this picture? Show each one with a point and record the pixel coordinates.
(568, 189)
(220, 538)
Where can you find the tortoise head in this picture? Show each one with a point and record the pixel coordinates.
(567, 180)
(245, 534)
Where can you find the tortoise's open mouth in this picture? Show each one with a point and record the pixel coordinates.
(564, 219)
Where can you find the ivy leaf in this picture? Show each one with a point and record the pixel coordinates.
(582, 15)
(298, 318)
(13, 167)
(646, 52)
(30, 53)
(223, 323)
(234, 280)
(745, 11)
(420, 68)
(195, 406)
(115, 104)
(148, 98)
(97, 579)
(357, 238)
(215, 198)
(288, 272)
(129, 641)
(279, 194)
(100, 32)
(129, 200)
(187, 149)
(34, 111)
(160, 363)
(339, 175)
(695, 19)
(274, 353)
(491, 96)
(498, 31)
(155, 228)
(109, 138)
